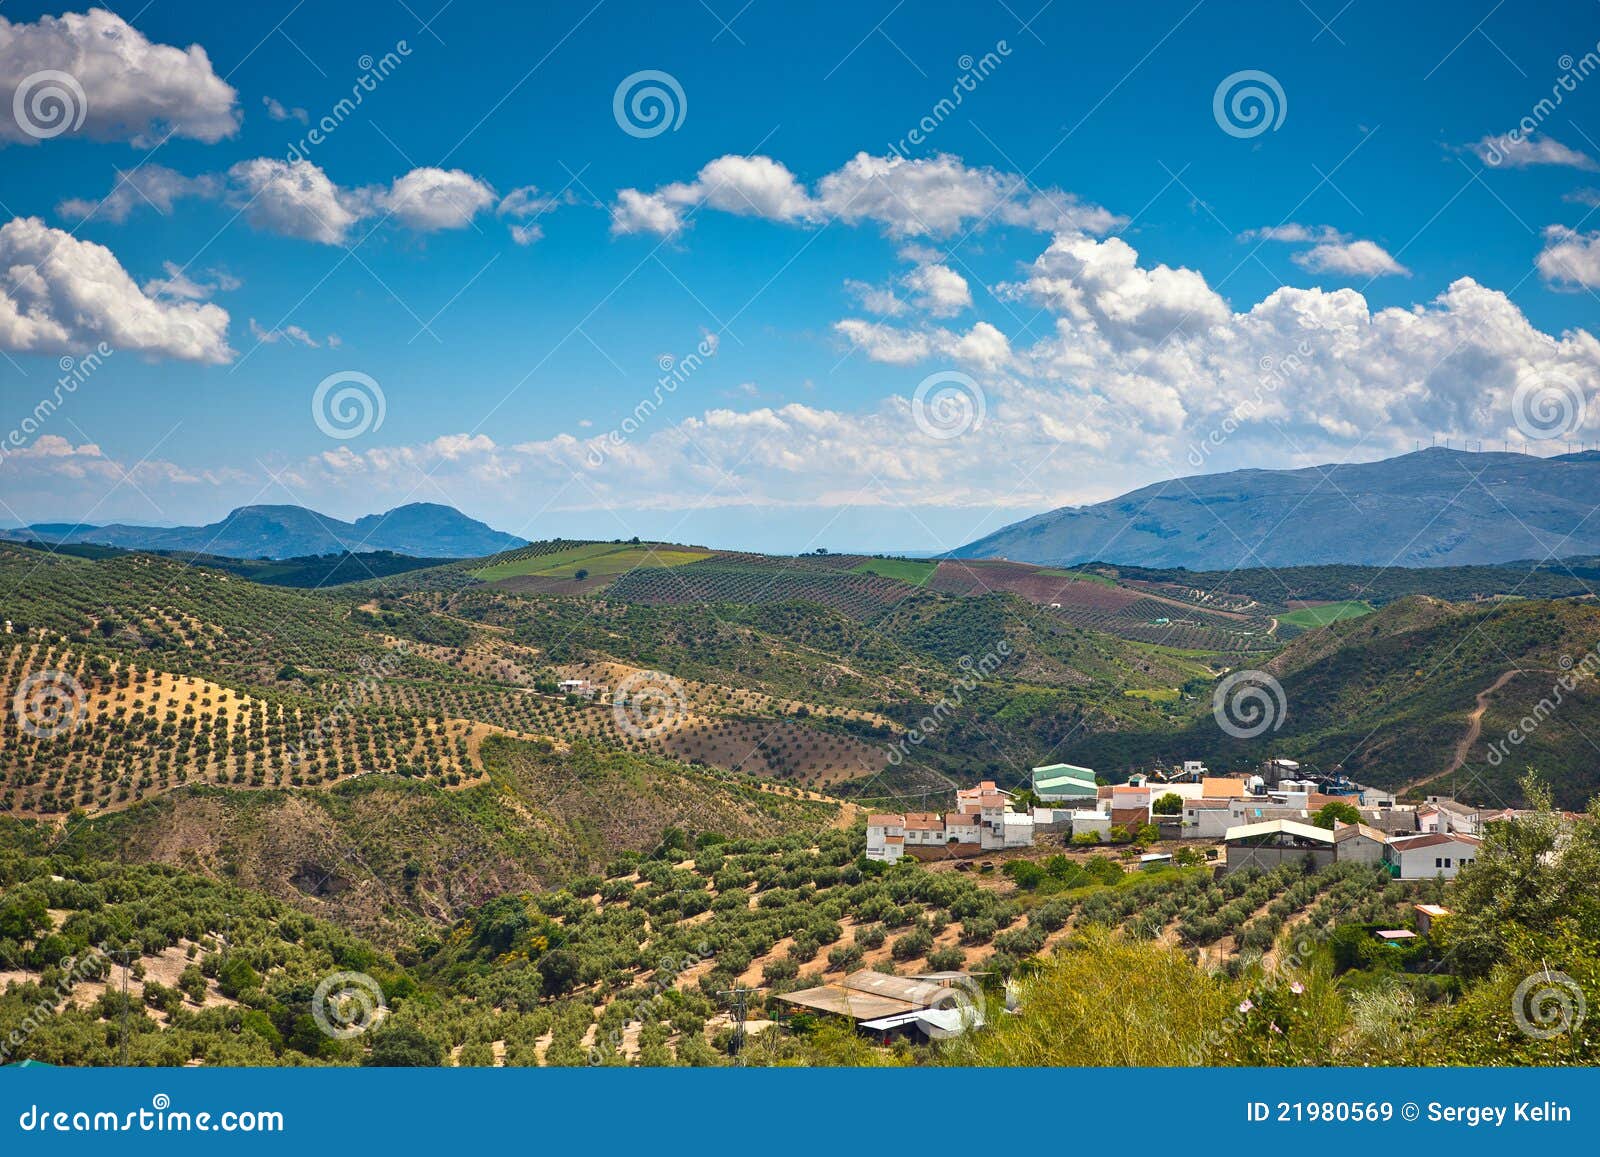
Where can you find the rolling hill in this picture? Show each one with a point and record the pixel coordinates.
(1432, 508)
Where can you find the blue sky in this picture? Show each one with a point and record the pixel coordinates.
(1102, 283)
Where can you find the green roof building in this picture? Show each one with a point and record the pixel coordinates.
(1064, 781)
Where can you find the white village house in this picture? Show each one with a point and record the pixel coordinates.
(982, 822)
(1422, 857)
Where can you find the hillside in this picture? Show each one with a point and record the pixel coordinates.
(421, 529)
(1432, 508)
(388, 855)
(1391, 697)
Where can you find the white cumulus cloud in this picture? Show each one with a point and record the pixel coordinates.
(922, 197)
(59, 294)
(128, 88)
(428, 200)
(1352, 258)
(1569, 258)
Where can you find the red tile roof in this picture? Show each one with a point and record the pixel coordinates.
(1433, 840)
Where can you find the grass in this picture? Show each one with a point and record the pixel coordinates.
(1080, 575)
(600, 558)
(915, 571)
(1154, 694)
(1310, 617)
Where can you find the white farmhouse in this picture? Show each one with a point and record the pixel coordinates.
(886, 838)
(1423, 857)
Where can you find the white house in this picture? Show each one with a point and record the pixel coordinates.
(1208, 819)
(991, 812)
(961, 828)
(886, 838)
(1018, 830)
(924, 830)
(1423, 857)
(1092, 821)
(983, 817)
(1461, 818)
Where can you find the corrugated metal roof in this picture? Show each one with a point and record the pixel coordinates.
(1280, 827)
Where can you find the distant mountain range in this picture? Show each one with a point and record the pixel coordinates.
(1435, 507)
(421, 529)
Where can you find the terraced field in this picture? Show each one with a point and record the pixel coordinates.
(600, 560)
(861, 596)
(625, 965)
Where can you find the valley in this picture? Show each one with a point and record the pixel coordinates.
(519, 783)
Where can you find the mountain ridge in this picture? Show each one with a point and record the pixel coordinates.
(1434, 507)
(419, 529)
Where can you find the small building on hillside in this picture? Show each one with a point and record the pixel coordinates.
(961, 828)
(1358, 843)
(1018, 830)
(1063, 783)
(982, 822)
(935, 1007)
(1423, 857)
(1428, 916)
(1272, 843)
(886, 838)
(1091, 820)
(1207, 819)
(924, 830)
(1460, 818)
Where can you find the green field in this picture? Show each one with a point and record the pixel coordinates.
(1081, 575)
(1154, 694)
(915, 571)
(599, 558)
(1310, 617)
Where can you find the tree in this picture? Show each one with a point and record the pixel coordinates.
(1024, 873)
(1533, 872)
(581, 574)
(1170, 804)
(559, 970)
(403, 1047)
(1336, 811)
